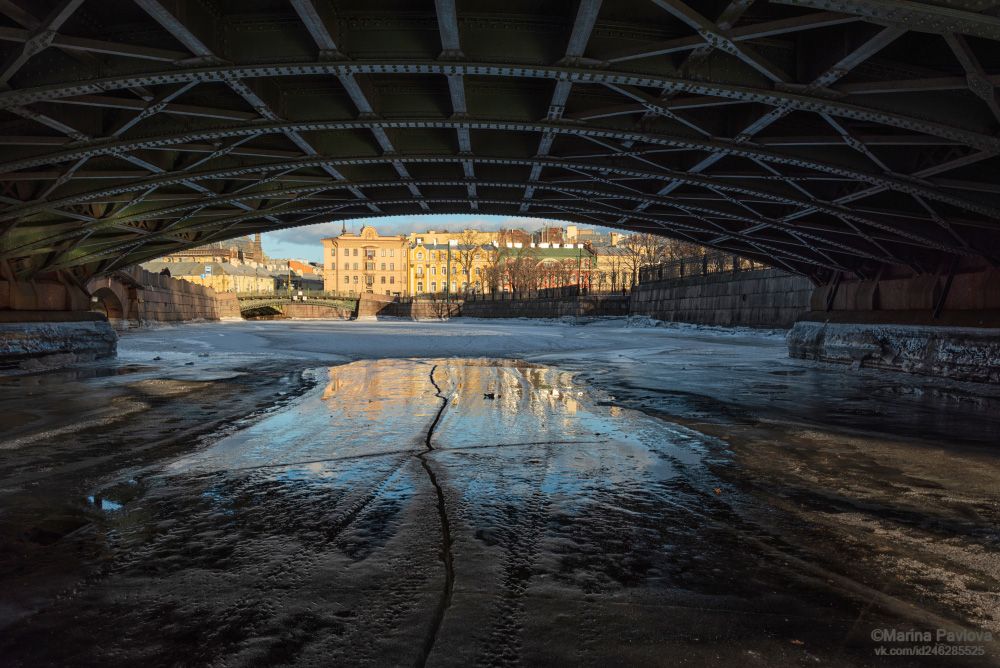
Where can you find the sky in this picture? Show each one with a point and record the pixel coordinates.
(303, 243)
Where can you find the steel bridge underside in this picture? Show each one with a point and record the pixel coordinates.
(822, 136)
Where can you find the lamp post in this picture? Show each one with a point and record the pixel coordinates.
(579, 265)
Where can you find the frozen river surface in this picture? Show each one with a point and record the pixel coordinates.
(498, 493)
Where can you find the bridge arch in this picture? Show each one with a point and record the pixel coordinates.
(821, 138)
(106, 300)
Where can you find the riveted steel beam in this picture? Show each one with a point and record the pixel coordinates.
(713, 147)
(789, 101)
(592, 168)
(916, 16)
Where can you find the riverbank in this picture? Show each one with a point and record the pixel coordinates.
(281, 489)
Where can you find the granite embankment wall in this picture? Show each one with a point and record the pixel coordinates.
(767, 298)
(311, 311)
(554, 307)
(939, 324)
(136, 297)
(376, 306)
(46, 322)
(53, 320)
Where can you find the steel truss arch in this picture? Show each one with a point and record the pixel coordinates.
(729, 128)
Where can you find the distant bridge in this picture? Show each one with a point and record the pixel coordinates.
(249, 305)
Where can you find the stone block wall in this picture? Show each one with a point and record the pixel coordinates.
(972, 299)
(556, 307)
(50, 293)
(311, 311)
(767, 298)
(370, 306)
(139, 297)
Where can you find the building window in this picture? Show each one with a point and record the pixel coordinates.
(369, 280)
(333, 266)
(420, 256)
(434, 286)
(355, 252)
(433, 271)
(347, 252)
(383, 266)
(370, 252)
(420, 287)
(383, 253)
(355, 266)
(383, 280)
(392, 266)
(355, 279)
(347, 279)
(392, 252)
(392, 280)
(369, 266)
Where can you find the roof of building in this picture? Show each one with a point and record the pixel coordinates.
(198, 268)
(610, 250)
(559, 253)
(442, 247)
(245, 244)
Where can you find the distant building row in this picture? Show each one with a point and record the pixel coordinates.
(238, 265)
(471, 261)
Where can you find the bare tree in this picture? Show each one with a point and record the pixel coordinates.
(643, 250)
(521, 270)
(468, 249)
(600, 279)
(496, 256)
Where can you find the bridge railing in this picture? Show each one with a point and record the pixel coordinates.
(565, 292)
(698, 265)
(301, 294)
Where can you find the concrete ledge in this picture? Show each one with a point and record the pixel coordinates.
(40, 345)
(960, 353)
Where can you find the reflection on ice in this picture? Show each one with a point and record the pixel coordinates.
(106, 505)
(502, 411)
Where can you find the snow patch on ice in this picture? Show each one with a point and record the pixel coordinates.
(644, 321)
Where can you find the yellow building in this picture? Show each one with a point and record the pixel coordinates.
(431, 264)
(365, 263)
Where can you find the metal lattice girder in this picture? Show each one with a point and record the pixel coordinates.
(916, 16)
(160, 181)
(715, 147)
(773, 97)
(722, 125)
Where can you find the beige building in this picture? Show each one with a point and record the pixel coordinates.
(614, 270)
(220, 276)
(241, 249)
(365, 263)
(443, 238)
